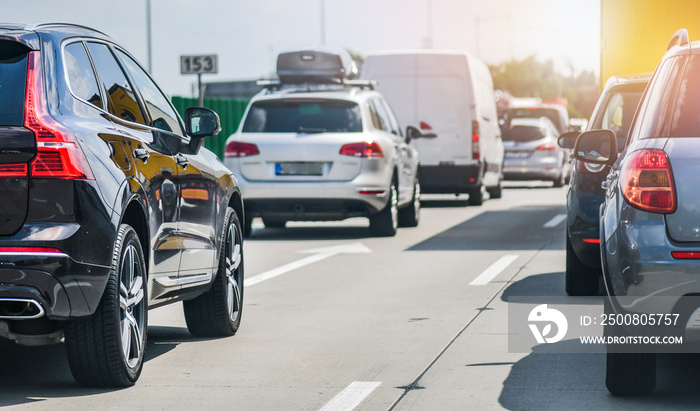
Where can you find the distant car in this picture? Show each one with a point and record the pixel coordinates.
(614, 110)
(532, 153)
(556, 113)
(650, 220)
(318, 146)
(110, 205)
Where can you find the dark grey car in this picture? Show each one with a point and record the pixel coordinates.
(614, 110)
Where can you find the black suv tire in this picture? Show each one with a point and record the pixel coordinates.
(96, 354)
(217, 313)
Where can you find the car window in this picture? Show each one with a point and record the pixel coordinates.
(378, 116)
(393, 122)
(654, 117)
(13, 78)
(618, 114)
(163, 115)
(686, 116)
(121, 100)
(383, 115)
(552, 114)
(303, 115)
(81, 76)
(522, 134)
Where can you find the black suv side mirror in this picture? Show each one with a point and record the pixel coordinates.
(596, 147)
(200, 122)
(414, 132)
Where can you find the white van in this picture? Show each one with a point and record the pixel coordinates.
(450, 94)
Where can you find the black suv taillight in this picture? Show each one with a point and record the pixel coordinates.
(58, 154)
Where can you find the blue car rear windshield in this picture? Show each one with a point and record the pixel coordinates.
(13, 79)
(303, 116)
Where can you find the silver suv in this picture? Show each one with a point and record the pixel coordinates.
(318, 145)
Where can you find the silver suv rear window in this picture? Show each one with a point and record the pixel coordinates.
(522, 134)
(303, 116)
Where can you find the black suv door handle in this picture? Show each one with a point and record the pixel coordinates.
(182, 160)
(142, 154)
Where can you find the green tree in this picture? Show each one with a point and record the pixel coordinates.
(530, 77)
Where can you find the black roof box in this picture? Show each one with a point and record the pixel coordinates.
(316, 66)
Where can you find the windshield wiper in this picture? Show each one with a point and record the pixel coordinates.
(305, 130)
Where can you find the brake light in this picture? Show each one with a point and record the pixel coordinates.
(424, 126)
(240, 149)
(40, 250)
(13, 170)
(364, 150)
(685, 255)
(547, 147)
(476, 149)
(591, 240)
(58, 154)
(647, 181)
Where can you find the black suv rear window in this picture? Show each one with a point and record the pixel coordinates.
(13, 80)
(303, 116)
(522, 134)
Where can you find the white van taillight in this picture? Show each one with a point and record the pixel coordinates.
(58, 154)
(241, 149)
(476, 149)
(364, 150)
(646, 181)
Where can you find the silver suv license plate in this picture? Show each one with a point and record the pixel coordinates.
(299, 169)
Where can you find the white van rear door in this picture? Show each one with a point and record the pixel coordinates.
(442, 107)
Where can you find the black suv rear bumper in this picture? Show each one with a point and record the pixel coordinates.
(63, 287)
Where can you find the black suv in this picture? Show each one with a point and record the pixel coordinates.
(109, 204)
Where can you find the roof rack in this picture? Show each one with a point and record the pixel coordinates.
(32, 27)
(273, 85)
(681, 36)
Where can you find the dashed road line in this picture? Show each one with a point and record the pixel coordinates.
(351, 396)
(555, 221)
(495, 269)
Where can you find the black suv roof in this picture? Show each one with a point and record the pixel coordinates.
(27, 33)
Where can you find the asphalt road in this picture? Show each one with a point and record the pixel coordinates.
(335, 319)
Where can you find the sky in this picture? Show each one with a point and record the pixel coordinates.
(247, 35)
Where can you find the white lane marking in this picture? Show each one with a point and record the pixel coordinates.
(555, 221)
(351, 396)
(495, 269)
(318, 255)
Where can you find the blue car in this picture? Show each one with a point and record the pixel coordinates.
(650, 221)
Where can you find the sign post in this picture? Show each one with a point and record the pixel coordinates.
(199, 64)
